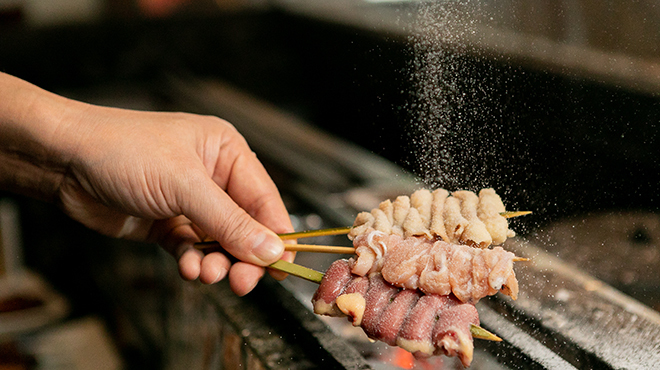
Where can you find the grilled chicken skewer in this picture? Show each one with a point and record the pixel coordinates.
(421, 264)
(209, 243)
(317, 277)
(423, 324)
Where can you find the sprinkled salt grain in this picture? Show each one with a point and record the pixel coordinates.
(441, 127)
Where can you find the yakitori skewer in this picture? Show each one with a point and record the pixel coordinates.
(208, 243)
(315, 248)
(347, 229)
(316, 277)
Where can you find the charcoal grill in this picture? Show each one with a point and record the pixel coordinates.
(563, 319)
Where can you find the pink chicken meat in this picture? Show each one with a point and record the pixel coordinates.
(435, 266)
(424, 324)
(438, 242)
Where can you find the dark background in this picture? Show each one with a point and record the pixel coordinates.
(564, 145)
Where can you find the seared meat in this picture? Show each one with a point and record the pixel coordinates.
(424, 324)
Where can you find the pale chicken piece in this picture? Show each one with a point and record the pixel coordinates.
(501, 273)
(363, 222)
(489, 209)
(437, 209)
(435, 273)
(475, 232)
(422, 200)
(352, 305)
(381, 222)
(401, 207)
(387, 208)
(460, 273)
(402, 265)
(480, 286)
(495, 265)
(455, 223)
(414, 225)
(366, 261)
(371, 247)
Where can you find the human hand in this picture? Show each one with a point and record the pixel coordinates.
(170, 178)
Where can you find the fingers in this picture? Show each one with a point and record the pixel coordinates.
(213, 268)
(243, 277)
(233, 199)
(237, 232)
(178, 236)
(190, 264)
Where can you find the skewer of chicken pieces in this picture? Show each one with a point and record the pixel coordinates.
(316, 276)
(316, 248)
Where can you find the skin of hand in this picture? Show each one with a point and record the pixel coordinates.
(170, 178)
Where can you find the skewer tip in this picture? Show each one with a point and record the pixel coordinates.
(511, 214)
(520, 259)
(481, 333)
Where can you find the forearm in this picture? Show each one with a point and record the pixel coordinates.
(33, 149)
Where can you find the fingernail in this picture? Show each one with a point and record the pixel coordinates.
(254, 284)
(267, 248)
(221, 274)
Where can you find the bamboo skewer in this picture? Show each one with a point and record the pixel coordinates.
(291, 248)
(314, 233)
(318, 248)
(315, 248)
(209, 243)
(298, 271)
(481, 333)
(512, 214)
(343, 250)
(347, 229)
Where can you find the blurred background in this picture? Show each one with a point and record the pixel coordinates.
(554, 104)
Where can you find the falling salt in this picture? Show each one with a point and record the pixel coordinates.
(449, 146)
(563, 295)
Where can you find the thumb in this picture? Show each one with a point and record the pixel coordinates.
(236, 231)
